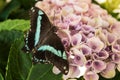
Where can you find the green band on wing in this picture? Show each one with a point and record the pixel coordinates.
(53, 50)
(37, 34)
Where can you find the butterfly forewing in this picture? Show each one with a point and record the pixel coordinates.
(32, 31)
(30, 35)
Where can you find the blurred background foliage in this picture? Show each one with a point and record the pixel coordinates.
(112, 6)
(12, 9)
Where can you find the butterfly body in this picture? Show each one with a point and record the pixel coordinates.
(43, 43)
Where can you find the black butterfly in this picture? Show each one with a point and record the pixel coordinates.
(42, 41)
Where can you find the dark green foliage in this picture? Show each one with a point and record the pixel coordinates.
(6, 39)
(9, 32)
(18, 63)
(13, 5)
(15, 9)
(1, 77)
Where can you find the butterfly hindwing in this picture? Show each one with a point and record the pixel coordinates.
(42, 41)
(60, 63)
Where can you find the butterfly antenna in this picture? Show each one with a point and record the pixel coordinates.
(54, 24)
(54, 18)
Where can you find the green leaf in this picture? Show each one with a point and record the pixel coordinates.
(6, 39)
(43, 72)
(20, 67)
(17, 24)
(19, 63)
(1, 77)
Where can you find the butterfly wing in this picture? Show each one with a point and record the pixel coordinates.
(30, 35)
(33, 36)
(60, 63)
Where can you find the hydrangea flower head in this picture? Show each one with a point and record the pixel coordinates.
(89, 34)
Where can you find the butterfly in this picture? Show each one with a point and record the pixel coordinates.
(44, 44)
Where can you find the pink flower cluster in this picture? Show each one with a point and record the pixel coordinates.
(90, 36)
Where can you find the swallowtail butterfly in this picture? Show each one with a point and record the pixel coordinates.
(42, 41)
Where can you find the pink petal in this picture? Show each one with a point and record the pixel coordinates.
(62, 25)
(84, 38)
(74, 72)
(85, 19)
(75, 28)
(74, 19)
(66, 42)
(63, 33)
(76, 39)
(87, 29)
(89, 63)
(91, 76)
(65, 37)
(96, 44)
(56, 70)
(81, 8)
(109, 72)
(102, 35)
(90, 35)
(115, 29)
(67, 9)
(78, 59)
(96, 22)
(102, 55)
(115, 58)
(86, 50)
(98, 65)
(116, 46)
(108, 49)
(58, 2)
(111, 38)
